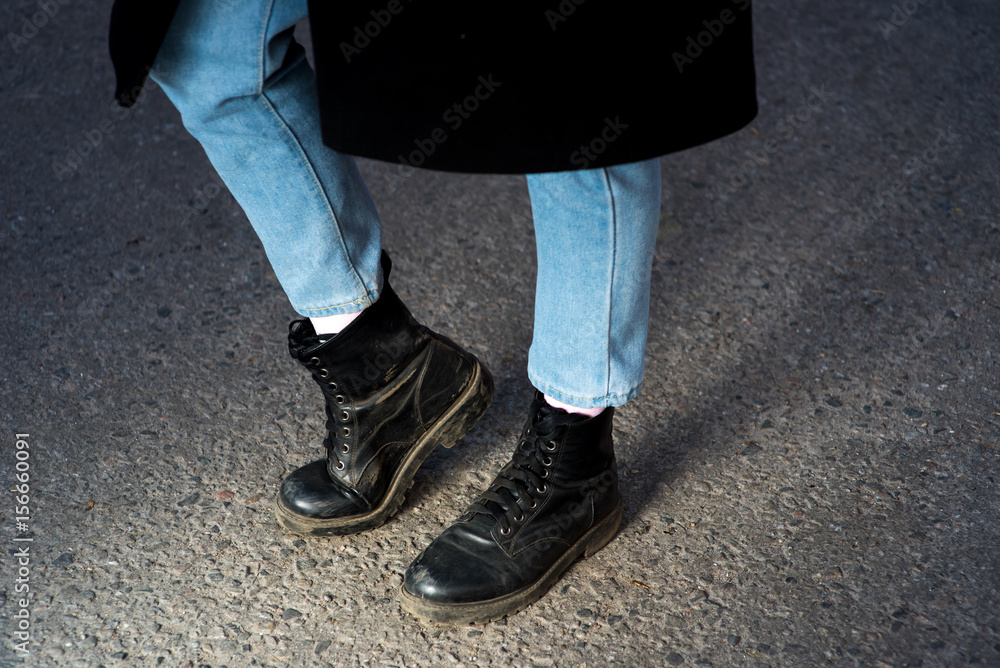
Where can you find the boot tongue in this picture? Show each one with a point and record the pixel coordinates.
(544, 424)
(548, 419)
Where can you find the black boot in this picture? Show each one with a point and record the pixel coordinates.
(555, 500)
(394, 390)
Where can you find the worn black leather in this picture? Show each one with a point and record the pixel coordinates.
(557, 498)
(393, 390)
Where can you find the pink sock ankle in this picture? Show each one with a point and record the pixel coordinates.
(555, 403)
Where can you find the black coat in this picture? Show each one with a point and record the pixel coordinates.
(518, 87)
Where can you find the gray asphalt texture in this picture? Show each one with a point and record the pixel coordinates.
(810, 473)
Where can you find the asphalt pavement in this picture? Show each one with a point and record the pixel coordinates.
(810, 473)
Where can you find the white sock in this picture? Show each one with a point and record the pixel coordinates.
(555, 403)
(329, 325)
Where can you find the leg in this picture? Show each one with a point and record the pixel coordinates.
(247, 94)
(393, 389)
(558, 497)
(595, 232)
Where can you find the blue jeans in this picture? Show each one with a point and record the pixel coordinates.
(246, 92)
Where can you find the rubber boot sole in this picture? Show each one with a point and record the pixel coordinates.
(483, 612)
(447, 431)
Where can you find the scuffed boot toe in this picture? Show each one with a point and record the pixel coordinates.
(450, 571)
(309, 500)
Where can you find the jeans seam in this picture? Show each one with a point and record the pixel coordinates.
(611, 282)
(262, 45)
(304, 159)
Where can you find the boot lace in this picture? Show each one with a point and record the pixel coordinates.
(522, 482)
(338, 410)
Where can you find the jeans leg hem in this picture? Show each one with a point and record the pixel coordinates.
(355, 306)
(589, 402)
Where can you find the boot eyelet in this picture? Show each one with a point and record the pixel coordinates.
(534, 504)
(545, 473)
(345, 448)
(323, 373)
(347, 431)
(505, 532)
(340, 465)
(332, 386)
(547, 461)
(339, 398)
(315, 361)
(551, 446)
(541, 490)
(519, 518)
(345, 416)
